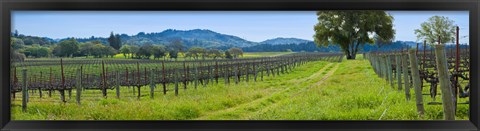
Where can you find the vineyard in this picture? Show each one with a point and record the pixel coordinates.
(442, 71)
(47, 77)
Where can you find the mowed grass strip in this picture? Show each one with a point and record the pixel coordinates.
(242, 111)
(190, 104)
(354, 92)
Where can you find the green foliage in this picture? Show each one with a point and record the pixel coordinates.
(36, 51)
(437, 27)
(134, 49)
(214, 53)
(16, 43)
(115, 41)
(145, 51)
(228, 55)
(66, 48)
(196, 52)
(176, 45)
(31, 40)
(125, 49)
(352, 29)
(236, 52)
(96, 49)
(173, 54)
(158, 51)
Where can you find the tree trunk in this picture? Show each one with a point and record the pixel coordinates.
(351, 56)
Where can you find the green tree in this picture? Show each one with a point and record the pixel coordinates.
(86, 48)
(109, 51)
(146, 51)
(435, 27)
(158, 51)
(98, 50)
(16, 43)
(66, 48)
(228, 55)
(236, 52)
(214, 53)
(125, 50)
(36, 51)
(195, 52)
(134, 50)
(351, 29)
(115, 41)
(173, 54)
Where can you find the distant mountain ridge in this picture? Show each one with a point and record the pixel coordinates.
(190, 38)
(281, 41)
(195, 38)
(211, 39)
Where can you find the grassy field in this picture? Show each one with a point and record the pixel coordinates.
(316, 91)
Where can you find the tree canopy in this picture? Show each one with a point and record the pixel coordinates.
(66, 48)
(115, 41)
(236, 52)
(352, 29)
(435, 27)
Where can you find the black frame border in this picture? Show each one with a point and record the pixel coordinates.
(6, 6)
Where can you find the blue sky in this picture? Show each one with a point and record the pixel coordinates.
(251, 25)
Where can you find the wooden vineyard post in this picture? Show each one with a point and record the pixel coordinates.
(378, 59)
(247, 72)
(225, 75)
(445, 86)
(62, 90)
(398, 70)
(272, 68)
(176, 82)
(267, 68)
(117, 84)
(24, 90)
(163, 79)
(184, 76)
(236, 73)
(79, 85)
(406, 76)
(390, 71)
(277, 66)
(261, 70)
(195, 81)
(384, 67)
(152, 84)
(104, 85)
(216, 71)
(212, 77)
(255, 73)
(207, 76)
(416, 82)
(239, 72)
(50, 84)
(379, 65)
(40, 89)
(138, 80)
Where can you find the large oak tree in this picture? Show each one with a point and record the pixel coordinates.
(351, 29)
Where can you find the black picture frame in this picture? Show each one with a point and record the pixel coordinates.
(224, 5)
